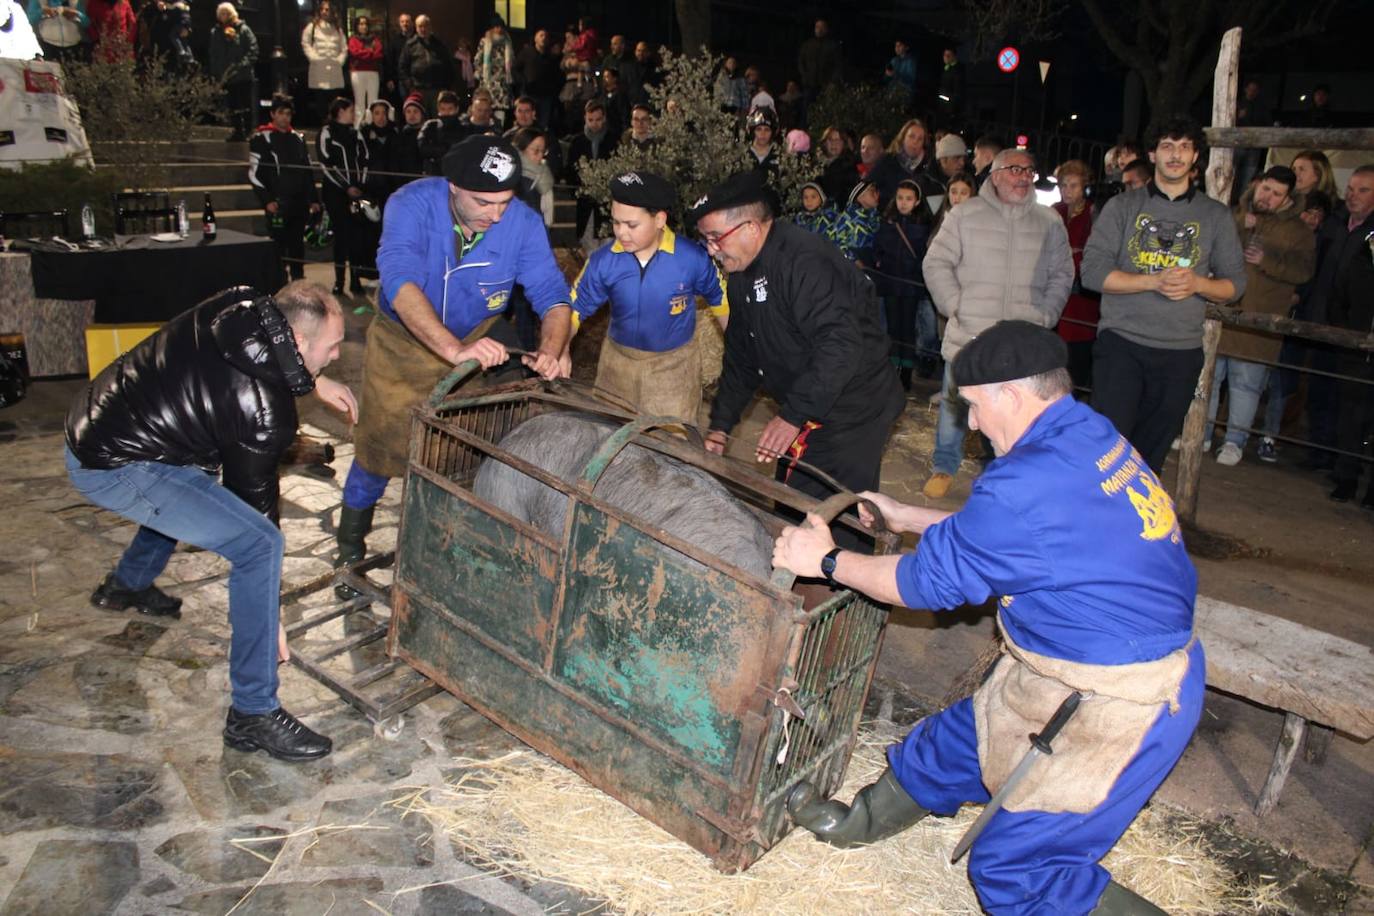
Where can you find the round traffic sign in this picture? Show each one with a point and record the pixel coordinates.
(1008, 59)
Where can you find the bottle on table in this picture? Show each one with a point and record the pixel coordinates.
(207, 220)
(87, 222)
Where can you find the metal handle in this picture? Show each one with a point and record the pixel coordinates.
(460, 372)
(1062, 715)
(830, 510)
(602, 458)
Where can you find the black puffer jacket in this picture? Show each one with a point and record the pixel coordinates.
(206, 390)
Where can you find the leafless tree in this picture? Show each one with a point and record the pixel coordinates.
(1172, 44)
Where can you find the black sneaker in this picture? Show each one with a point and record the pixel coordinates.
(152, 600)
(277, 732)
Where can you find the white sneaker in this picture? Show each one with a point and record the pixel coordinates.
(1229, 456)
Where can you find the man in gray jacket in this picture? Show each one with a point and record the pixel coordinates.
(1000, 255)
(1158, 254)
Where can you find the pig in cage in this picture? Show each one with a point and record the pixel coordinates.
(595, 586)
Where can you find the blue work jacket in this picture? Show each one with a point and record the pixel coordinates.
(1076, 536)
(418, 247)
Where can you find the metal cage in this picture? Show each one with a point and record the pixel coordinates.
(666, 677)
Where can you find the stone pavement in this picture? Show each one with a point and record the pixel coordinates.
(119, 796)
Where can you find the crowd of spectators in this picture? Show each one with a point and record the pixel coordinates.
(1122, 264)
(949, 227)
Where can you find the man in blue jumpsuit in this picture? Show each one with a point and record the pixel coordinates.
(651, 276)
(452, 248)
(1073, 533)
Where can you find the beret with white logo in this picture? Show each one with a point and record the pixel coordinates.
(643, 189)
(482, 163)
(742, 188)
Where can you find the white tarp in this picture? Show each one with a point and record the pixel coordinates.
(37, 121)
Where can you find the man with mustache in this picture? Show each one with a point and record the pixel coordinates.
(1159, 254)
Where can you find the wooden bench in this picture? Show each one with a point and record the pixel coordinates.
(1314, 678)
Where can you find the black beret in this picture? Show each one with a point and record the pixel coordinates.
(643, 189)
(742, 188)
(482, 163)
(1009, 350)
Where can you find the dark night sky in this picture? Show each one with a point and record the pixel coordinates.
(1084, 77)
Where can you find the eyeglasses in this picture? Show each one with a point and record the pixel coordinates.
(1018, 171)
(713, 241)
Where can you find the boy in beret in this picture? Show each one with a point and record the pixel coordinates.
(452, 248)
(1074, 534)
(651, 277)
(804, 328)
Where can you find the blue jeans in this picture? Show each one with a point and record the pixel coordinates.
(949, 432)
(1247, 381)
(173, 503)
(1273, 408)
(927, 330)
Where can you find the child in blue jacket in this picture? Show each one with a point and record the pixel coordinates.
(857, 225)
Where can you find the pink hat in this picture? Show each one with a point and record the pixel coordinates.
(798, 141)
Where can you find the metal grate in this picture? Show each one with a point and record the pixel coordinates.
(839, 644)
(450, 457)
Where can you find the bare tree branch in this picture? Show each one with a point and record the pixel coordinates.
(1318, 16)
(991, 21)
(1132, 56)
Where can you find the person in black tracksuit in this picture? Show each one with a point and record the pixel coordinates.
(804, 328)
(381, 138)
(279, 171)
(343, 158)
(406, 158)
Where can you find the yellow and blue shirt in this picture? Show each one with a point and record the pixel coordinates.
(653, 306)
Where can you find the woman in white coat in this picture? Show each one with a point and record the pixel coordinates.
(326, 49)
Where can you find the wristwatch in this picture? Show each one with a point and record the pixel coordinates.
(828, 566)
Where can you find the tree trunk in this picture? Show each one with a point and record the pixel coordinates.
(694, 21)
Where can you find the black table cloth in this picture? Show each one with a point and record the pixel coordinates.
(140, 280)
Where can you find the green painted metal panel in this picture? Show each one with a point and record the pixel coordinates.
(477, 567)
(569, 731)
(668, 643)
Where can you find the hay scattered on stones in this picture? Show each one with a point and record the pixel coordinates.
(530, 817)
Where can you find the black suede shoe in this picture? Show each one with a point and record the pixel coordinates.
(1344, 492)
(277, 732)
(152, 600)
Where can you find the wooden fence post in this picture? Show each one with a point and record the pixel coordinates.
(1194, 429)
(1220, 175)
